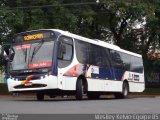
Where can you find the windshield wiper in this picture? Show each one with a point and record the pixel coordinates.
(36, 49)
(24, 52)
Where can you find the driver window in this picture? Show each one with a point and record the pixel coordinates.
(65, 51)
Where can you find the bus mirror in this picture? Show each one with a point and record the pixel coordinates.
(12, 53)
(4, 52)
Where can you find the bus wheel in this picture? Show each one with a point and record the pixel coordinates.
(125, 91)
(40, 96)
(79, 89)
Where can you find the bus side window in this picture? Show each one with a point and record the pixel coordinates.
(136, 64)
(95, 57)
(105, 55)
(82, 51)
(116, 59)
(65, 51)
(126, 61)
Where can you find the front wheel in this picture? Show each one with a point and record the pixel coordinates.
(80, 89)
(40, 96)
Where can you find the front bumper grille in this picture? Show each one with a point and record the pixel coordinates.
(30, 86)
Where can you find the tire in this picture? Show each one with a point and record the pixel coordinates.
(40, 96)
(93, 96)
(125, 91)
(79, 89)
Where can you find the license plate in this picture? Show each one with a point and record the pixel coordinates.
(28, 84)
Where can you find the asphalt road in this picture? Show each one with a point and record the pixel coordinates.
(29, 105)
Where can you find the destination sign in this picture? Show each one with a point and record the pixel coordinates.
(33, 37)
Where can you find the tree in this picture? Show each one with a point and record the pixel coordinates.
(120, 19)
(21, 15)
(109, 20)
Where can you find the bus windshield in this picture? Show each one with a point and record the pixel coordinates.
(32, 55)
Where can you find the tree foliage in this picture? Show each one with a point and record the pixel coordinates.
(109, 20)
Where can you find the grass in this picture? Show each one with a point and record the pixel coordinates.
(148, 92)
(152, 91)
(3, 89)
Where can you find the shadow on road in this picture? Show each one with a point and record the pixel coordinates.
(20, 99)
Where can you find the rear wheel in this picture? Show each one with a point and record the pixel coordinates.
(40, 96)
(125, 91)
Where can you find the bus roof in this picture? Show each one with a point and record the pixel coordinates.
(93, 41)
(97, 42)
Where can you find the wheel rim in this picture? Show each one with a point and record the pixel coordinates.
(125, 90)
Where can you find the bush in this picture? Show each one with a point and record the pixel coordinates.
(3, 89)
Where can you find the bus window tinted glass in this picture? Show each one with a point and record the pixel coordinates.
(116, 59)
(136, 64)
(106, 57)
(88, 53)
(126, 61)
(65, 47)
(82, 51)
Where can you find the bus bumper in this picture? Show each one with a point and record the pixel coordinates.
(45, 83)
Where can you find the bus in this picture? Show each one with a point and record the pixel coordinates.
(54, 62)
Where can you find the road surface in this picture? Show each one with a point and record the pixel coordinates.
(29, 105)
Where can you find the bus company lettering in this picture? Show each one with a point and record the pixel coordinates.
(130, 76)
(136, 77)
(133, 77)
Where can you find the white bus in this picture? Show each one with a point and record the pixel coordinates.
(55, 62)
